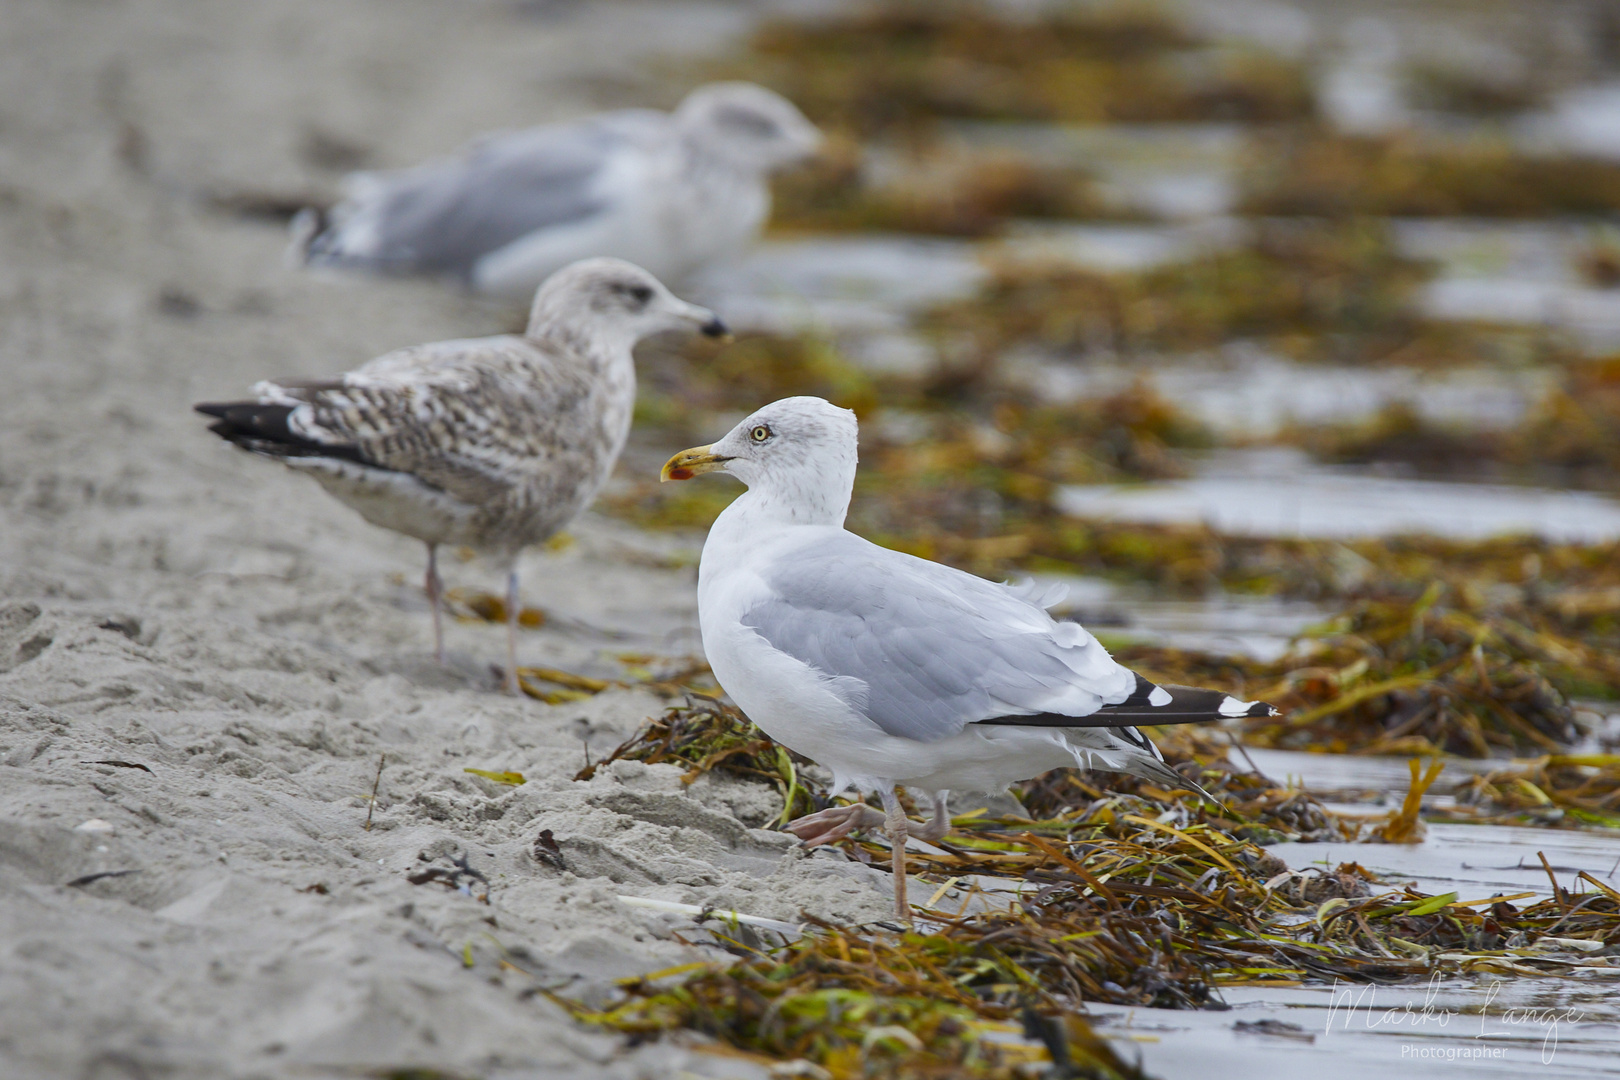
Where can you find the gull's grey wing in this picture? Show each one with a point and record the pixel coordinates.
(444, 216)
(922, 649)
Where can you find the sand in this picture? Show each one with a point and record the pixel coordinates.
(170, 603)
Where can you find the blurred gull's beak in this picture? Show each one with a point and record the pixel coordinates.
(708, 323)
(689, 463)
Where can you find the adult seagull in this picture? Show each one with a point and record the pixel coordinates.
(493, 443)
(671, 192)
(890, 669)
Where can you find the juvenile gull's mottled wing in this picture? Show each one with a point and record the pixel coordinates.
(471, 418)
(922, 649)
(444, 216)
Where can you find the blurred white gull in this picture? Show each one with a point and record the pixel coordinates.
(672, 192)
(889, 669)
(494, 443)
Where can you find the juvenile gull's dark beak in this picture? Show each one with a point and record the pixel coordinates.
(689, 463)
(714, 328)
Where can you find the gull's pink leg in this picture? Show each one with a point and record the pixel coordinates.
(834, 823)
(939, 824)
(435, 595)
(511, 630)
(897, 827)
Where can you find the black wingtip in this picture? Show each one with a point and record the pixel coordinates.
(263, 428)
(1252, 709)
(1178, 705)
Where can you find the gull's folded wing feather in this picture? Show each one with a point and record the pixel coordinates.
(470, 418)
(922, 649)
(444, 216)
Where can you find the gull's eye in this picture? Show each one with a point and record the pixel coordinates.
(637, 295)
(747, 122)
(760, 433)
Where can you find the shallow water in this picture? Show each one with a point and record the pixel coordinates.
(1174, 171)
(1474, 861)
(1582, 120)
(1242, 391)
(1468, 1026)
(1486, 1025)
(1118, 247)
(1330, 775)
(1278, 494)
(1515, 272)
(1261, 628)
(866, 284)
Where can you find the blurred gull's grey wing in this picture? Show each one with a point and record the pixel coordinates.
(444, 216)
(923, 650)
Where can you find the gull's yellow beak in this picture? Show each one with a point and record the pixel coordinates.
(688, 463)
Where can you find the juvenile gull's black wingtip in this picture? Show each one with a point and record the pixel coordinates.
(262, 427)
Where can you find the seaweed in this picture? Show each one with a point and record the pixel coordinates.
(1561, 790)
(506, 777)
(1247, 804)
(684, 391)
(1398, 433)
(1135, 896)
(1574, 433)
(1404, 826)
(1569, 438)
(1315, 290)
(459, 877)
(930, 190)
(1599, 264)
(859, 1005)
(376, 782)
(1428, 675)
(1095, 905)
(897, 67)
(1473, 89)
(670, 679)
(1319, 174)
(487, 607)
(705, 733)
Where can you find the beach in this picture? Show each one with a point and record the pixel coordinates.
(203, 659)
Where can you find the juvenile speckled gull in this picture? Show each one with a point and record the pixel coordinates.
(494, 443)
(892, 670)
(672, 192)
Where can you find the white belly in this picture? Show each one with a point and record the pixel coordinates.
(393, 500)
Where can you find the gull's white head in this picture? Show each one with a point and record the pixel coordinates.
(748, 125)
(797, 457)
(612, 303)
